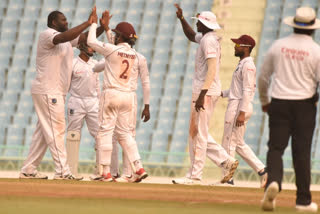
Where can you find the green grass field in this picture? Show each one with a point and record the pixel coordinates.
(50, 197)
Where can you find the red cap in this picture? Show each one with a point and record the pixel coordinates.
(125, 29)
(245, 40)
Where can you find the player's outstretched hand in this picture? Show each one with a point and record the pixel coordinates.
(105, 19)
(145, 114)
(93, 18)
(179, 11)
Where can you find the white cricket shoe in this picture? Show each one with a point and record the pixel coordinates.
(312, 207)
(230, 166)
(269, 199)
(187, 181)
(124, 179)
(36, 175)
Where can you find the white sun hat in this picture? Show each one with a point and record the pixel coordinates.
(208, 19)
(305, 18)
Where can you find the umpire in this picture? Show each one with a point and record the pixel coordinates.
(294, 63)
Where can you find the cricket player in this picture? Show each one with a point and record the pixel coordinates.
(83, 103)
(49, 88)
(142, 72)
(206, 90)
(116, 113)
(240, 96)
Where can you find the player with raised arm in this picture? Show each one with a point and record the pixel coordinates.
(142, 72)
(116, 113)
(206, 89)
(49, 88)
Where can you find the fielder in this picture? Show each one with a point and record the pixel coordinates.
(206, 89)
(240, 96)
(142, 72)
(49, 88)
(83, 103)
(116, 113)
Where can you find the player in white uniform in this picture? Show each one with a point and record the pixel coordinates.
(206, 89)
(142, 72)
(54, 67)
(239, 110)
(83, 103)
(117, 100)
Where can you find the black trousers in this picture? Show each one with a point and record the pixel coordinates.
(295, 118)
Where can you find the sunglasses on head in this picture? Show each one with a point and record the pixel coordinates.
(242, 45)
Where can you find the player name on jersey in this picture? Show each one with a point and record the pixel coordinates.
(125, 55)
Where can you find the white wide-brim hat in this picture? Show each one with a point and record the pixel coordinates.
(208, 19)
(305, 18)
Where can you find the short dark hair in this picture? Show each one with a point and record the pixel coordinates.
(53, 16)
(303, 31)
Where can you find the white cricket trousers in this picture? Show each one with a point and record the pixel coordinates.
(80, 109)
(233, 136)
(116, 117)
(126, 168)
(49, 132)
(201, 143)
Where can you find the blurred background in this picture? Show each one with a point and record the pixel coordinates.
(162, 141)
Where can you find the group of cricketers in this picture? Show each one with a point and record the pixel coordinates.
(110, 113)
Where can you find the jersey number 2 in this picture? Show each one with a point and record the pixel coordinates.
(124, 75)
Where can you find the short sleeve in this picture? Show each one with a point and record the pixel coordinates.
(198, 37)
(46, 38)
(75, 42)
(210, 48)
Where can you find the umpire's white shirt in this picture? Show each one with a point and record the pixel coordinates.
(209, 47)
(294, 62)
(243, 84)
(53, 65)
(84, 82)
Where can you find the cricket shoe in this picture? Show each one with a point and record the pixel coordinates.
(230, 166)
(124, 179)
(140, 175)
(36, 175)
(187, 181)
(269, 198)
(103, 177)
(67, 177)
(312, 207)
(116, 176)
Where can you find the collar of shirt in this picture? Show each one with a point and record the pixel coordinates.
(297, 35)
(249, 58)
(211, 33)
(124, 44)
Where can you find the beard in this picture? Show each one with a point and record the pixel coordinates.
(63, 28)
(239, 54)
